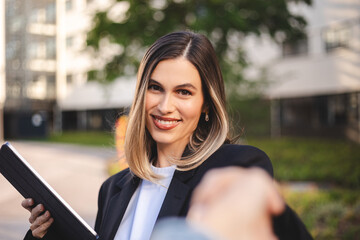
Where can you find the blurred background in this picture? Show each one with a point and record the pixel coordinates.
(292, 72)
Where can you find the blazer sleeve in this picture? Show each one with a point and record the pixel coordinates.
(50, 235)
(99, 214)
(287, 225)
(238, 155)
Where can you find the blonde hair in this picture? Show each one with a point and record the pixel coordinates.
(140, 148)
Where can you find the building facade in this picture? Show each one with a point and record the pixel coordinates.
(43, 58)
(315, 82)
(30, 66)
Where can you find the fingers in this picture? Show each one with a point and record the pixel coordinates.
(41, 225)
(276, 203)
(36, 212)
(27, 204)
(40, 220)
(214, 183)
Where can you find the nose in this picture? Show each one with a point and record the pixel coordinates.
(166, 104)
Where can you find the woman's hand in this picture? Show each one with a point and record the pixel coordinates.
(40, 219)
(236, 203)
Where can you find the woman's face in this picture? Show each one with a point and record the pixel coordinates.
(173, 102)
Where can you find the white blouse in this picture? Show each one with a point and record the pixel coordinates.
(144, 207)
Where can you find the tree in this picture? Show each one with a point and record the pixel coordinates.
(133, 25)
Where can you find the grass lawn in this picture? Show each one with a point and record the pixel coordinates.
(320, 160)
(89, 138)
(331, 211)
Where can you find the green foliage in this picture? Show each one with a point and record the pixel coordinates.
(89, 138)
(225, 23)
(249, 117)
(328, 214)
(320, 160)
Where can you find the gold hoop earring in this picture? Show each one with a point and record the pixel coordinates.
(206, 117)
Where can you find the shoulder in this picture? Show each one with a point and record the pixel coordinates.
(116, 180)
(239, 155)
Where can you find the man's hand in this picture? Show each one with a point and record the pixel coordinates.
(236, 203)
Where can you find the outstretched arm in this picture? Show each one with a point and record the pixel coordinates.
(236, 203)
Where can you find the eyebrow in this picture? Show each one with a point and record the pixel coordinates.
(185, 85)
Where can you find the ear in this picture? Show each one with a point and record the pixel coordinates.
(205, 108)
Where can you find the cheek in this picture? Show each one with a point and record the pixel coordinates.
(149, 102)
(193, 111)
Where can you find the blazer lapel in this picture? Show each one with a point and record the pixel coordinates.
(177, 194)
(117, 206)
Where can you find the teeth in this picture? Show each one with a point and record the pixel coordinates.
(165, 122)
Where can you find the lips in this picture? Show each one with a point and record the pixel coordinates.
(164, 123)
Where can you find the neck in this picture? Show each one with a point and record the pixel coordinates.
(166, 152)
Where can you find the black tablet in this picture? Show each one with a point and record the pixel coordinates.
(31, 185)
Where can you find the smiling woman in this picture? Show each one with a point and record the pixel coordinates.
(179, 78)
(177, 131)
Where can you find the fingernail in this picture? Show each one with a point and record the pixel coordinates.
(46, 214)
(29, 201)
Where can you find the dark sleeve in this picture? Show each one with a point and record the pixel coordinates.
(247, 157)
(289, 226)
(29, 236)
(51, 235)
(255, 157)
(99, 214)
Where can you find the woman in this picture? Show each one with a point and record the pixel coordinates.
(177, 131)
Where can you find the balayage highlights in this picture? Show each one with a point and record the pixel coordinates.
(140, 148)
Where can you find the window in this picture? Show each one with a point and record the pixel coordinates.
(50, 13)
(50, 48)
(12, 48)
(16, 24)
(34, 16)
(294, 48)
(336, 37)
(69, 79)
(32, 50)
(51, 86)
(68, 5)
(69, 42)
(37, 50)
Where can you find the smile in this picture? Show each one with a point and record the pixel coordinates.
(165, 123)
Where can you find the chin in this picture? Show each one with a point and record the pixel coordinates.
(163, 140)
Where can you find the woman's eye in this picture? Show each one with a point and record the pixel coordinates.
(184, 92)
(154, 87)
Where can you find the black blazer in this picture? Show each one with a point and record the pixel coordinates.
(116, 192)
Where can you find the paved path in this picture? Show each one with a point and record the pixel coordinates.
(75, 172)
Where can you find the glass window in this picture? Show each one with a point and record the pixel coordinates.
(336, 37)
(32, 50)
(68, 5)
(69, 42)
(11, 49)
(34, 16)
(294, 48)
(69, 79)
(50, 48)
(50, 13)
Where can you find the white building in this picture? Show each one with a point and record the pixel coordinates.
(43, 43)
(315, 83)
(28, 90)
